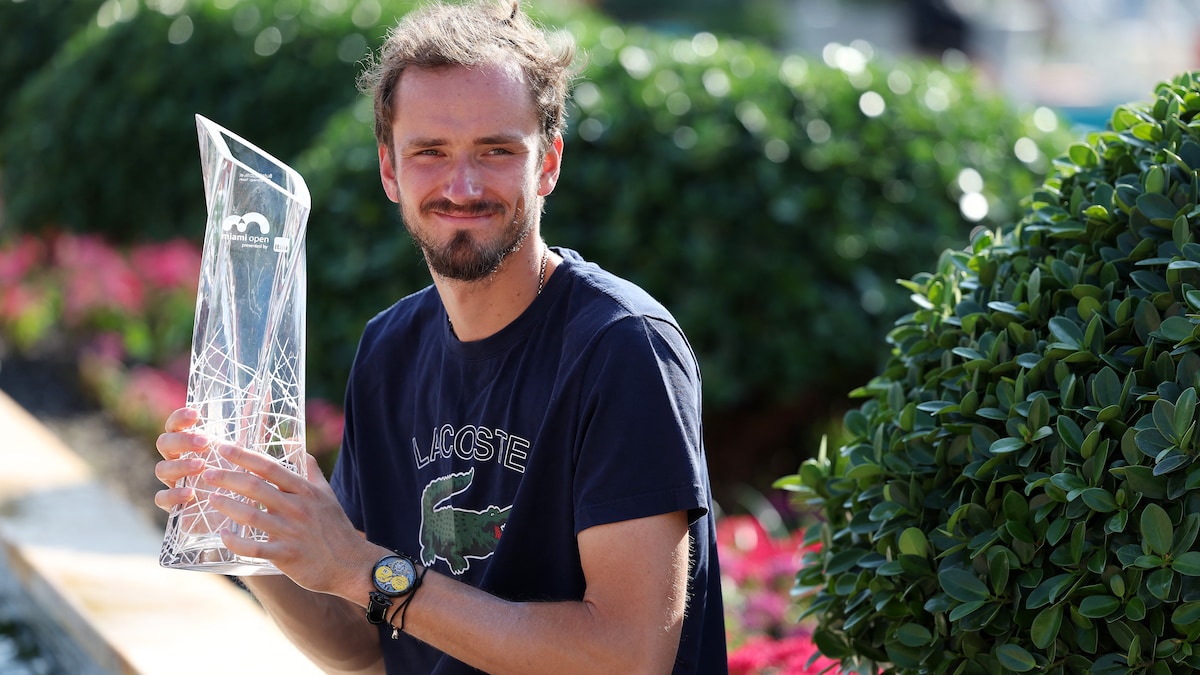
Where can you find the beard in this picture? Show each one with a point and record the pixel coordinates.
(464, 258)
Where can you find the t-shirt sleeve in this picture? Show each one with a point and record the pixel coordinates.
(640, 452)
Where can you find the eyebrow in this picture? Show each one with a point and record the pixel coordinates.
(433, 141)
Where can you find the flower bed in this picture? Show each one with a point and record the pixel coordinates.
(127, 315)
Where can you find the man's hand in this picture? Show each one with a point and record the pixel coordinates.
(178, 440)
(309, 537)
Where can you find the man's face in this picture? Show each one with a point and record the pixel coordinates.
(466, 166)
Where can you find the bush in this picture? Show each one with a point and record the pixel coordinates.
(33, 32)
(691, 168)
(103, 138)
(771, 201)
(1019, 491)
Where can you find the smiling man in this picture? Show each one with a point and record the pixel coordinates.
(522, 484)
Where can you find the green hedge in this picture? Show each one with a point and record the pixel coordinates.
(103, 138)
(753, 195)
(31, 32)
(778, 253)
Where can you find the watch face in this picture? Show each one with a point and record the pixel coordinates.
(394, 575)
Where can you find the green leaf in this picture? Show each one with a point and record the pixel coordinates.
(1159, 583)
(914, 635)
(1157, 208)
(843, 561)
(1186, 614)
(1185, 411)
(1046, 625)
(1187, 564)
(1066, 332)
(1083, 155)
(962, 585)
(965, 609)
(1098, 606)
(912, 541)
(1015, 658)
(1156, 529)
(1143, 481)
(1049, 590)
(1006, 445)
(1099, 500)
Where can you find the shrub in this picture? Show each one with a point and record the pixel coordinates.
(103, 138)
(33, 32)
(691, 168)
(771, 201)
(1019, 490)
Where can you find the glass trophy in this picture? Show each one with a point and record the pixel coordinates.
(247, 360)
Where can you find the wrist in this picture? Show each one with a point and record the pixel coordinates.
(395, 580)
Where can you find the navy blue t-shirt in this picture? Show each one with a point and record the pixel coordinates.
(485, 459)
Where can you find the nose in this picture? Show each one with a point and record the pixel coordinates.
(465, 182)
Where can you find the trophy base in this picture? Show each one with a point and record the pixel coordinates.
(208, 554)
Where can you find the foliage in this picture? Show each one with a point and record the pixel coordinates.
(127, 314)
(1018, 492)
(33, 32)
(746, 189)
(740, 187)
(108, 122)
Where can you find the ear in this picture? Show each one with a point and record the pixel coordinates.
(387, 174)
(551, 164)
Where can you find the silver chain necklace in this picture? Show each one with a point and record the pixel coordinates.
(542, 274)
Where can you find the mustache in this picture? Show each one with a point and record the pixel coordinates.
(476, 208)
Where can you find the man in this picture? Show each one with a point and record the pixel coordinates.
(522, 484)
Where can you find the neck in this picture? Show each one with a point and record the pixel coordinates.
(480, 309)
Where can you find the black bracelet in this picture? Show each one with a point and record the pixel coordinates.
(402, 608)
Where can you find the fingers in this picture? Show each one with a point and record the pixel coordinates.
(261, 465)
(168, 499)
(182, 418)
(177, 439)
(171, 471)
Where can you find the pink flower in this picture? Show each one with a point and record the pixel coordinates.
(153, 392)
(750, 554)
(18, 299)
(19, 259)
(168, 266)
(323, 423)
(790, 656)
(97, 278)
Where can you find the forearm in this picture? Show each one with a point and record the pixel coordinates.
(331, 631)
(530, 638)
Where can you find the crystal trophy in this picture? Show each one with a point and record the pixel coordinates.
(247, 360)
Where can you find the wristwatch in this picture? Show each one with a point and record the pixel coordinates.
(394, 576)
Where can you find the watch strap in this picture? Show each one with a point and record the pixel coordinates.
(377, 606)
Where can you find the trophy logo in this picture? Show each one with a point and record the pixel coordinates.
(242, 222)
(247, 362)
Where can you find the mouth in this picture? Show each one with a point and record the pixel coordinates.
(451, 210)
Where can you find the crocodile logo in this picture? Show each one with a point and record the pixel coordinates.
(454, 534)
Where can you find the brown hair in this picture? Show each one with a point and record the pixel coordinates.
(470, 34)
